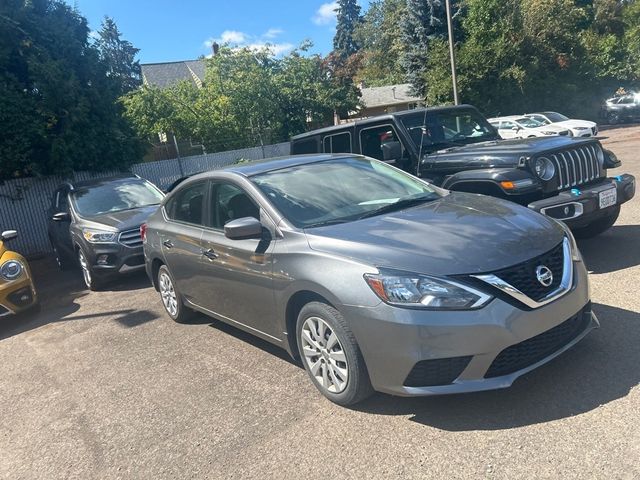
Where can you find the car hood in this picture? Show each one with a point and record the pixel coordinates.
(497, 153)
(575, 123)
(123, 220)
(459, 233)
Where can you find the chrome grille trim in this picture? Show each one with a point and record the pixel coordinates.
(131, 238)
(576, 166)
(565, 283)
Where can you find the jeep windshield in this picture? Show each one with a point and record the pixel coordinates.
(435, 130)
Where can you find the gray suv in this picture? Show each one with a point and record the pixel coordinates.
(95, 225)
(375, 279)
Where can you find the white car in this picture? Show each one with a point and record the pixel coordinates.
(577, 128)
(517, 126)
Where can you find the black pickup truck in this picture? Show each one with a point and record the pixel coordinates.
(457, 149)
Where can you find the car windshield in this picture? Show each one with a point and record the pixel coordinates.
(432, 130)
(555, 117)
(341, 190)
(528, 122)
(114, 197)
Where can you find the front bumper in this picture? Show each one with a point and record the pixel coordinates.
(580, 206)
(474, 347)
(110, 259)
(17, 296)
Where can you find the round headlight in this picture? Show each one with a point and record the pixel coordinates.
(11, 270)
(600, 155)
(545, 169)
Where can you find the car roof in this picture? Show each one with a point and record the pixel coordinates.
(277, 163)
(101, 181)
(378, 118)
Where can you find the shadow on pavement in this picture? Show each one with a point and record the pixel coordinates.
(600, 369)
(616, 249)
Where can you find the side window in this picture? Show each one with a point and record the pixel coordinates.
(507, 125)
(230, 202)
(381, 143)
(187, 204)
(308, 145)
(339, 143)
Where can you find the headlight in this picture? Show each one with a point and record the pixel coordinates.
(99, 236)
(422, 291)
(11, 270)
(544, 168)
(581, 128)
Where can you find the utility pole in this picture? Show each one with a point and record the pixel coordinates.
(452, 53)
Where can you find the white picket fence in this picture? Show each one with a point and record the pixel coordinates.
(24, 202)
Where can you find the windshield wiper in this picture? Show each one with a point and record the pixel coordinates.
(399, 205)
(326, 223)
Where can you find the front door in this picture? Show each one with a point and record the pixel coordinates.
(238, 273)
(61, 229)
(508, 130)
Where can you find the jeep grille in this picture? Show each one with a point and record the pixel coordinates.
(576, 166)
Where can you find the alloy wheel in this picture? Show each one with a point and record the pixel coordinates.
(84, 265)
(168, 294)
(324, 355)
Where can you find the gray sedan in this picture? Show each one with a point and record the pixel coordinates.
(375, 279)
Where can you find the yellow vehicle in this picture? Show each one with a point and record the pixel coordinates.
(17, 292)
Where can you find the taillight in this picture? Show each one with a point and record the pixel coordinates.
(143, 231)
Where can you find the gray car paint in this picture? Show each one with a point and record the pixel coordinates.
(459, 233)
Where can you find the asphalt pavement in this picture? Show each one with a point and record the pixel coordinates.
(104, 385)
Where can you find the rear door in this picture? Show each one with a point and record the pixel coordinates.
(384, 143)
(61, 230)
(237, 274)
(182, 234)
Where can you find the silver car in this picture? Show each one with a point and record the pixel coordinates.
(375, 279)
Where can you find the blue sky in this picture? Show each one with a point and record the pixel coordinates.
(168, 30)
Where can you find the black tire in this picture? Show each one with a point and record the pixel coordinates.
(599, 226)
(61, 260)
(181, 314)
(358, 386)
(91, 279)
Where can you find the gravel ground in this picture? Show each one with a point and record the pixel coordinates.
(104, 385)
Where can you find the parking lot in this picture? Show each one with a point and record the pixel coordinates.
(105, 385)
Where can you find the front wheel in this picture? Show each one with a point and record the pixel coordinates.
(91, 280)
(331, 355)
(599, 226)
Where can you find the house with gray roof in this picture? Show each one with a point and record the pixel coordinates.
(166, 74)
(390, 98)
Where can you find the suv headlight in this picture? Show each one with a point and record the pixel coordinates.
(422, 291)
(11, 270)
(99, 236)
(544, 168)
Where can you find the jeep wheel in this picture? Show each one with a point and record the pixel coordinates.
(599, 226)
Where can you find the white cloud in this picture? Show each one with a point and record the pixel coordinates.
(326, 14)
(273, 33)
(237, 39)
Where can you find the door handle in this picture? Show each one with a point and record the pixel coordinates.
(210, 254)
(168, 243)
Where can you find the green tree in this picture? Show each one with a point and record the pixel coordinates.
(348, 18)
(58, 108)
(119, 57)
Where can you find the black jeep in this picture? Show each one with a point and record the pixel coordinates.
(457, 149)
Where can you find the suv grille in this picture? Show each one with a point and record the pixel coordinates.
(524, 278)
(523, 354)
(576, 166)
(131, 238)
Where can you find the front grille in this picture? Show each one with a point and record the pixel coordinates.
(594, 130)
(563, 133)
(131, 238)
(440, 371)
(524, 354)
(576, 166)
(523, 276)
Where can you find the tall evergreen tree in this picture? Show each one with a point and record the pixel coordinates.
(423, 21)
(344, 42)
(119, 56)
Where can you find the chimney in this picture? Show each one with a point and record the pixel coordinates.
(215, 48)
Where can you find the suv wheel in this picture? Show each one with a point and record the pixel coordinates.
(599, 226)
(171, 298)
(331, 355)
(91, 280)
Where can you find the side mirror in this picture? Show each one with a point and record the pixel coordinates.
(391, 151)
(61, 217)
(243, 228)
(8, 235)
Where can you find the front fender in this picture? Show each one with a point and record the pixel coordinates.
(477, 181)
